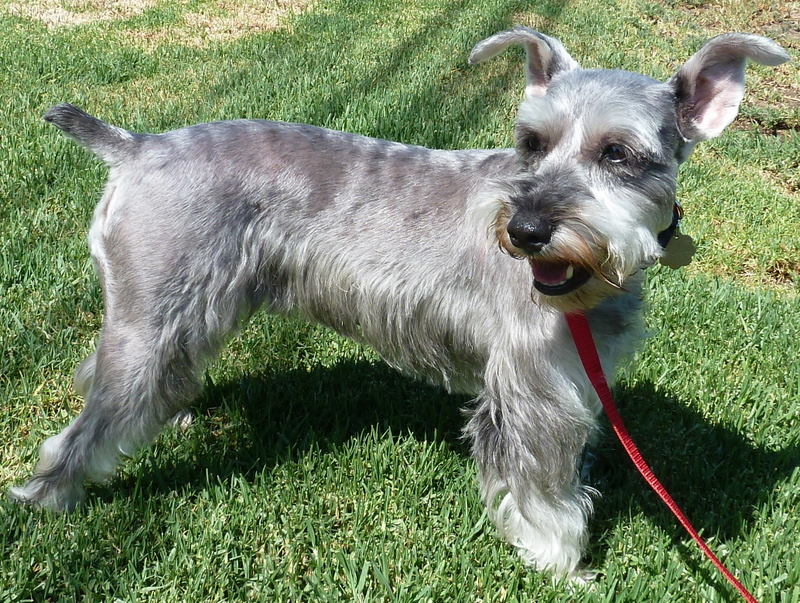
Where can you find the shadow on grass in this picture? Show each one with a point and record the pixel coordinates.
(262, 420)
(716, 476)
(249, 426)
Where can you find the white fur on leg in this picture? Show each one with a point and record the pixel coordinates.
(555, 542)
(182, 420)
(41, 491)
(69, 458)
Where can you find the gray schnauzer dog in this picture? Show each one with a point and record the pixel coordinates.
(411, 250)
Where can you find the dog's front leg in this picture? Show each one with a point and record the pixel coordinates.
(527, 441)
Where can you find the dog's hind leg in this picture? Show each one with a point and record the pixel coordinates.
(164, 318)
(140, 379)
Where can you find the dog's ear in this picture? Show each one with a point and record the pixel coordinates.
(546, 56)
(710, 85)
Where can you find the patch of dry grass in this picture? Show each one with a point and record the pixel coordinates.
(196, 25)
(58, 13)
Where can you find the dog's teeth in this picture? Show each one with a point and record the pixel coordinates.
(568, 274)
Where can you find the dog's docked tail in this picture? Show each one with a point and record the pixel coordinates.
(110, 143)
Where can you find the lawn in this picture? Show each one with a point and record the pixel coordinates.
(312, 471)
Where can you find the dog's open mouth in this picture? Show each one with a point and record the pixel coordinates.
(557, 278)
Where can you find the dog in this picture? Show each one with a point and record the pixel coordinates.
(456, 266)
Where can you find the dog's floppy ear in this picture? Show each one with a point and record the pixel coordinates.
(546, 56)
(710, 85)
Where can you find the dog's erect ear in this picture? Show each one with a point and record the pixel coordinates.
(546, 56)
(710, 85)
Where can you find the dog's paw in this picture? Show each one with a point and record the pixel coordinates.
(41, 494)
(182, 420)
(584, 576)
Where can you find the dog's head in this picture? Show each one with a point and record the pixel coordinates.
(599, 152)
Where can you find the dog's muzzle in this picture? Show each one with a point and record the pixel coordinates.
(531, 234)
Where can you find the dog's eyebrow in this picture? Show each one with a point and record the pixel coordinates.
(629, 137)
(543, 117)
(612, 127)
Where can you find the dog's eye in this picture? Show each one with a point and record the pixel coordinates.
(615, 153)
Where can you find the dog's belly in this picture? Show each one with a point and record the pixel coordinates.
(431, 332)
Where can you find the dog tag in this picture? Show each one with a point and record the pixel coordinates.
(679, 251)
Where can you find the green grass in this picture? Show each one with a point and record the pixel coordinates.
(314, 472)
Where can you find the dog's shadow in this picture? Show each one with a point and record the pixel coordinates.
(717, 476)
(242, 427)
(714, 474)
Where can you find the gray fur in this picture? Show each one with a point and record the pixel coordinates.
(398, 246)
(110, 143)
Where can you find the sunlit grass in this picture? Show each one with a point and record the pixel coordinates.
(314, 472)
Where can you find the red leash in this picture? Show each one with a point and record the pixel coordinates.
(582, 336)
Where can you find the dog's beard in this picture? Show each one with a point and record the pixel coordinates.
(573, 272)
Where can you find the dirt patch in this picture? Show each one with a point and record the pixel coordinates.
(784, 272)
(222, 21)
(55, 13)
(768, 122)
(779, 20)
(195, 25)
(781, 276)
(237, 19)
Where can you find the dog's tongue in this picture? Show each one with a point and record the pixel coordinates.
(550, 273)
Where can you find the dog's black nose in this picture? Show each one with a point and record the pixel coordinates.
(529, 233)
